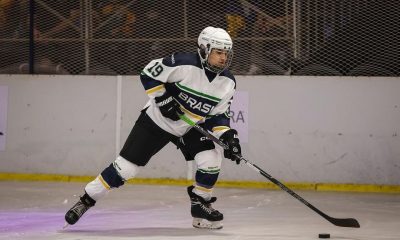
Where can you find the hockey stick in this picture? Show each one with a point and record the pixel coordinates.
(341, 222)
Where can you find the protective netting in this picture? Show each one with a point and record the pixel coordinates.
(279, 37)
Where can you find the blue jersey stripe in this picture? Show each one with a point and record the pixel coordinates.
(217, 120)
(148, 82)
(194, 103)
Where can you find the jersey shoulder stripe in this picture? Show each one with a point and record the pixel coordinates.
(179, 59)
(151, 85)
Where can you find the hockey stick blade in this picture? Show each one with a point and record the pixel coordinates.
(344, 222)
(340, 222)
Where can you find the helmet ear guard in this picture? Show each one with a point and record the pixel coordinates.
(203, 51)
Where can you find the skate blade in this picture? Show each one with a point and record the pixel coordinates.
(65, 225)
(205, 224)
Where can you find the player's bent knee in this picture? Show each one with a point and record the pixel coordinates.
(118, 172)
(208, 167)
(126, 170)
(209, 159)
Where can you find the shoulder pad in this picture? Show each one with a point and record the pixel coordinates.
(228, 74)
(178, 59)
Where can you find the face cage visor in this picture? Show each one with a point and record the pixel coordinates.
(219, 69)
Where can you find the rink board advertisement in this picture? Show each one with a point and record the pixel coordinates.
(239, 114)
(3, 116)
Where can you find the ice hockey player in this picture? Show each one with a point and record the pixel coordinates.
(198, 85)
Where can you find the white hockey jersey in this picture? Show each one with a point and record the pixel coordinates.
(203, 96)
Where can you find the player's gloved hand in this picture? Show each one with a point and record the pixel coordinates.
(231, 139)
(169, 107)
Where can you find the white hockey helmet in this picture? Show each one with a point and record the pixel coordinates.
(214, 38)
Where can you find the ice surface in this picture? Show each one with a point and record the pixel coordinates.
(35, 210)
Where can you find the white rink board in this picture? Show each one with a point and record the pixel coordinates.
(3, 116)
(300, 129)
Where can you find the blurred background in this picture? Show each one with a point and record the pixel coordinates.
(274, 37)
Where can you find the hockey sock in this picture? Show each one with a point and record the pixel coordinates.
(103, 183)
(97, 188)
(111, 177)
(205, 193)
(205, 180)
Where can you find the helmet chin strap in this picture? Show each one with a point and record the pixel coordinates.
(212, 68)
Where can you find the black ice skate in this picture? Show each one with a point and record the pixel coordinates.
(75, 213)
(204, 216)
